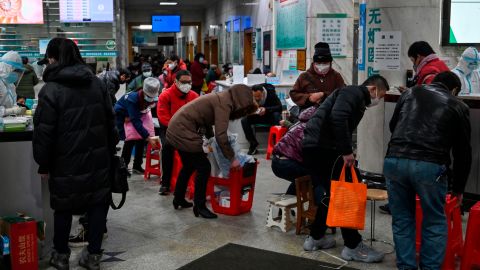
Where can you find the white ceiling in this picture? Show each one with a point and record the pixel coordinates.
(182, 4)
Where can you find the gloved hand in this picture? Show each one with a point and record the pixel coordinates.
(15, 110)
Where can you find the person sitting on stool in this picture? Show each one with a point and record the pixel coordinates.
(269, 112)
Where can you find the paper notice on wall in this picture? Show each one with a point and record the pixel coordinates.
(267, 58)
(387, 50)
(238, 74)
(292, 59)
(333, 30)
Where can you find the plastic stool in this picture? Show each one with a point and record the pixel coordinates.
(454, 231)
(276, 133)
(150, 167)
(286, 203)
(471, 250)
(177, 166)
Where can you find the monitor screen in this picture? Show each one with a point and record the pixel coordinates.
(83, 11)
(166, 41)
(21, 12)
(459, 20)
(166, 23)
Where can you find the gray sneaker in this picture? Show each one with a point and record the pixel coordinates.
(322, 243)
(362, 253)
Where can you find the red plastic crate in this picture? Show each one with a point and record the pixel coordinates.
(471, 250)
(275, 134)
(238, 180)
(151, 167)
(177, 166)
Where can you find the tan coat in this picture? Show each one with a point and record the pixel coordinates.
(196, 119)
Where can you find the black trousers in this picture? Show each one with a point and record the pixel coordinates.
(97, 220)
(167, 158)
(289, 170)
(193, 162)
(127, 152)
(267, 119)
(323, 164)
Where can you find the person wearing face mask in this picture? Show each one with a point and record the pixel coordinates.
(320, 80)
(467, 71)
(169, 102)
(326, 147)
(191, 124)
(113, 79)
(269, 112)
(174, 67)
(198, 75)
(130, 107)
(11, 71)
(429, 127)
(426, 63)
(137, 83)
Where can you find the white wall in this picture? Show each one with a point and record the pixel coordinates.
(189, 32)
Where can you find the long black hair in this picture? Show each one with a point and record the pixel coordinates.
(69, 54)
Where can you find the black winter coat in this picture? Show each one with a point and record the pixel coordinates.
(337, 117)
(111, 79)
(272, 102)
(74, 137)
(427, 124)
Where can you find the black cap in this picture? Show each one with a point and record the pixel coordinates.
(42, 62)
(322, 53)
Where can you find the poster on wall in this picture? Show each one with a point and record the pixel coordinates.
(292, 59)
(333, 30)
(21, 12)
(387, 50)
(290, 24)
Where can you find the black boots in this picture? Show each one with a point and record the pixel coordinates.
(181, 203)
(60, 260)
(202, 210)
(90, 261)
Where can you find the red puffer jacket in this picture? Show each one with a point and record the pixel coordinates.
(430, 70)
(170, 101)
(170, 79)
(290, 146)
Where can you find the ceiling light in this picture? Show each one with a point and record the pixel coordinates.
(168, 3)
(251, 4)
(145, 27)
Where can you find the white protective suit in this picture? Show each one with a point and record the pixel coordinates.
(9, 63)
(468, 72)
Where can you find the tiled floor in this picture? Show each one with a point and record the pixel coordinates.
(149, 234)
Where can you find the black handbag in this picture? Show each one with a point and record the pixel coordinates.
(119, 180)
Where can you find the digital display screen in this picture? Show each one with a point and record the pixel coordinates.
(79, 11)
(166, 24)
(21, 12)
(460, 20)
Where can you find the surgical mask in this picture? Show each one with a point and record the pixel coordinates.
(150, 99)
(11, 78)
(184, 87)
(201, 59)
(165, 72)
(322, 68)
(374, 101)
(147, 74)
(172, 66)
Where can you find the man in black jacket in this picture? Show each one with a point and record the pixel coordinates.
(327, 145)
(269, 113)
(113, 79)
(428, 124)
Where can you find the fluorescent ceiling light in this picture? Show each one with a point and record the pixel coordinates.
(168, 3)
(251, 4)
(145, 27)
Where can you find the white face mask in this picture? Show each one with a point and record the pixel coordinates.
(147, 74)
(322, 68)
(172, 66)
(374, 101)
(201, 60)
(184, 87)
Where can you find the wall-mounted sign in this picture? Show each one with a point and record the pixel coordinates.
(387, 50)
(111, 44)
(290, 24)
(333, 30)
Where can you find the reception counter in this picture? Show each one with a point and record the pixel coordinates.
(22, 190)
(374, 135)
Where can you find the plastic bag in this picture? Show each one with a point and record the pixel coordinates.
(131, 133)
(225, 164)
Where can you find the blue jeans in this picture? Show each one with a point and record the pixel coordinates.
(406, 178)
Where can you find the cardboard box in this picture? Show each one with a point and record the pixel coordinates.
(23, 242)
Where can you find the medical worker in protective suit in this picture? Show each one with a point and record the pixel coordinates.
(468, 72)
(11, 71)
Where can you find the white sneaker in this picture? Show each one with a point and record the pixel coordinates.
(362, 253)
(322, 243)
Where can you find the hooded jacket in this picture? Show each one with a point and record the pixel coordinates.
(74, 136)
(8, 94)
(427, 124)
(311, 82)
(111, 79)
(132, 106)
(28, 81)
(335, 120)
(290, 146)
(196, 119)
(170, 101)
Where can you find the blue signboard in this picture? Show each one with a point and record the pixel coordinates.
(362, 36)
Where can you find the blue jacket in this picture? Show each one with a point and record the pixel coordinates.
(131, 105)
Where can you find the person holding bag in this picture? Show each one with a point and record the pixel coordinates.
(327, 147)
(134, 121)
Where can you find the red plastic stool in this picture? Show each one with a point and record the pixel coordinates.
(471, 250)
(455, 234)
(177, 166)
(276, 133)
(240, 184)
(152, 168)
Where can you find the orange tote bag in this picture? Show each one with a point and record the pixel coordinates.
(348, 202)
